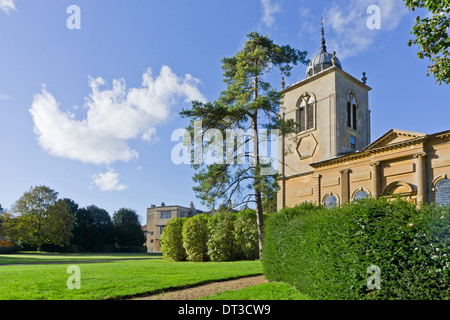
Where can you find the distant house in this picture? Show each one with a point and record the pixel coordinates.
(157, 218)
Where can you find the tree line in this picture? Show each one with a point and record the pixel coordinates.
(39, 220)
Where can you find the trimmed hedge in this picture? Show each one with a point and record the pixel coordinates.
(7, 247)
(224, 236)
(246, 235)
(221, 242)
(195, 237)
(172, 240)
(325, 253)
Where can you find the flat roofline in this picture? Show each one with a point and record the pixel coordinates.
(323, 73)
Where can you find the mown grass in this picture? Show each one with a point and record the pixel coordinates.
(264, 291)
(112, 280)
(46, 257)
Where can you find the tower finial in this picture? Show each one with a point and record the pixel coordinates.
(324, 47)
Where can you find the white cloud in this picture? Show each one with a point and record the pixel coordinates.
(269, 10)
(351, 36)
(114, 116)
(108, 181)
(7, 6)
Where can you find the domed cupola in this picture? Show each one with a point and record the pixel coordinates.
(323, 60)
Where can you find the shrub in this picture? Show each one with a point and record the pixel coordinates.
(172, 240)
(7, 247)
(195, 237)
(246, 235)
(221, 243)
(325, 253)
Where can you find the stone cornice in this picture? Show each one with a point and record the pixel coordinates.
(367, 153)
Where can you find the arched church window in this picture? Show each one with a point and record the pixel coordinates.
(305, 114)
(443, 192)
(361, 195)
(330, 201)
(352, 120)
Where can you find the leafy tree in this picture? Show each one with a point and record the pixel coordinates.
(127, 228)
(248, 103)
(59, 223)
(8, 230)
(41, 219)
(72, 205)
(93, 230)
(431, 35)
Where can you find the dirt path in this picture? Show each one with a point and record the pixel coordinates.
(208, 289)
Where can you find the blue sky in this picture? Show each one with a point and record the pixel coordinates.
(90, 112)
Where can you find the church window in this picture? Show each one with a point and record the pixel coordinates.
(352, 120)
(443, 192)
(305, 114)
(361, 195)
(330, 201)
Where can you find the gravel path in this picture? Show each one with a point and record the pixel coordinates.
(208, 289)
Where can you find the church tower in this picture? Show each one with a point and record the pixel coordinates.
(331, 109)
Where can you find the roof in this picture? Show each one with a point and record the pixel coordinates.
(394, 138)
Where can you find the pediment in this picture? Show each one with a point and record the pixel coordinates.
(394, 137)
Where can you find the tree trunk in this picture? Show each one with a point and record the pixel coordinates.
(257, 186)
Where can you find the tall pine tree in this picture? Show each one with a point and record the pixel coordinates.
(248, 104)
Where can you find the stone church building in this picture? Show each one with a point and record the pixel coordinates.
(332, 160)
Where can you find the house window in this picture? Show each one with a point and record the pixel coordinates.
(161, 228)
(353, 143)
(166, 214)
(443, 192)
(305, 114)
(330, 201)
(352, 120)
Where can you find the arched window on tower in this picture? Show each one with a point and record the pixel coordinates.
(352, 120)
(305, 114)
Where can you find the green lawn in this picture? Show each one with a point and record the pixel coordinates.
(45, 257)
(108, 279)
(264, 291)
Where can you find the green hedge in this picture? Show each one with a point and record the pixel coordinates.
(224, 236)
(195, 238)
(326, 253)
(7, 247)
(172, 240)
(221, 242)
